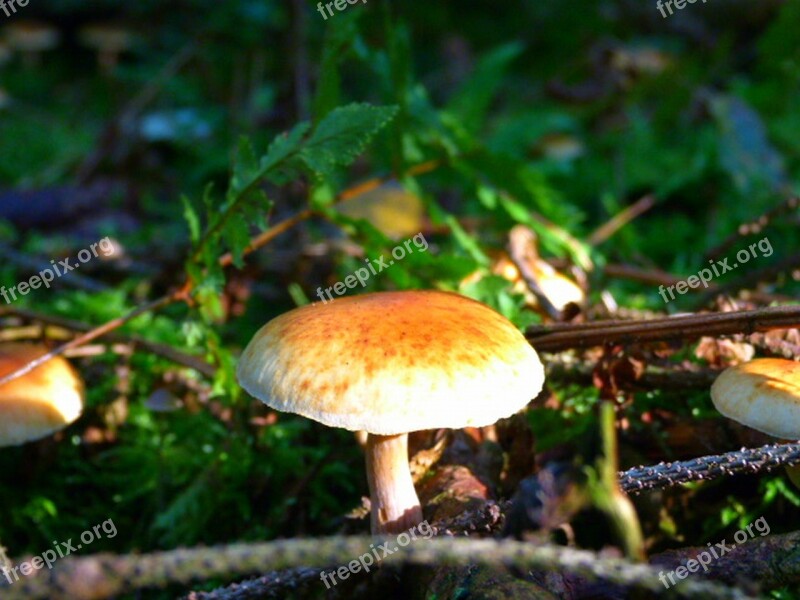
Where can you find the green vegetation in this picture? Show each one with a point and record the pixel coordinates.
(224, 119)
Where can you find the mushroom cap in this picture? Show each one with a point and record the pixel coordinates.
(763, 394)
(40, 402)
(393, 362)
(392, 209)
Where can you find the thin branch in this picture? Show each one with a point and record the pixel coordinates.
(168, 352)
(268, 235)
(558, 337)
(750, 281)
(560, 369)
(753, 227)
(749, 461)
(275, 584)
(95, 333)
(522, 251)
(618, 221)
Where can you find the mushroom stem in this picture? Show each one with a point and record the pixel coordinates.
(395, 506)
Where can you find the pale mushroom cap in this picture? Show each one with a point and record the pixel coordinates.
(390, 208)
(393, 362)
(763, 394)
(40, 402)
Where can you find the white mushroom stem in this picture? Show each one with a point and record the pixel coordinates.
(395, 506)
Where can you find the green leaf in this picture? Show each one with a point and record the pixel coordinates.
(342, 136)
(245, 167)
(281, 150)
(237, 235)
(193, 220)
(466, 242)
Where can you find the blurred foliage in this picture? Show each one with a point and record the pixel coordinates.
(237, 139)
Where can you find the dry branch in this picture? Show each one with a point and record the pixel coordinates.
(275, 584)
(104, 575)
(754, 460)
(182, 358)
(558, 337)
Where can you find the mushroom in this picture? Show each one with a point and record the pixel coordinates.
(31, 38)
(390, 208)
(390, 363)
(545, 290)
(763, 394)
(108, 40)
(40, 402)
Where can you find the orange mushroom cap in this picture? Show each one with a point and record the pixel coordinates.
(40, 402)
(393, 362)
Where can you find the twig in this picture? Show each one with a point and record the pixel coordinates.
(168, 352)
(751, 279)
(678, 378)
(275, 584)
(618, 221)
(753, 460)
(95, 333)
(104, 576)
(523, 252)
(558, 336)
(269, 235)
(753, 227)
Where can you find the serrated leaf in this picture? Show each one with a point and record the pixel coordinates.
(208, 199)
(342, 135)
(245, 167)
(257, 209)
(281, 150)
(237, 233)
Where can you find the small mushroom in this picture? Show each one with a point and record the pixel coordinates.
(31, 38)
(390, 208)
(390, 363)
(109, 40)
(40, 402)
(546, 290)
(763, 394)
